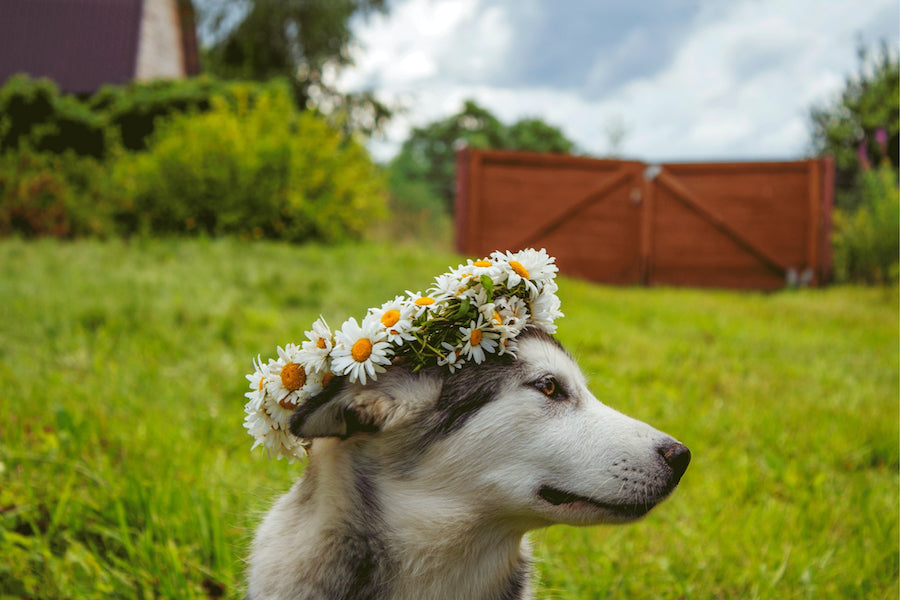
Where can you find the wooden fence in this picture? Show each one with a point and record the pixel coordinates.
(753, 225)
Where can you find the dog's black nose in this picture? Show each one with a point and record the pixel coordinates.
(677, 456)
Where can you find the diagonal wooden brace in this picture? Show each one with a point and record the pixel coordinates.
(696, 204)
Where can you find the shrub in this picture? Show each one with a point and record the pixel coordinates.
(867, 241)
(253, 166)
(33, 113)
(417, 212)
(133, 110)
(60, 195)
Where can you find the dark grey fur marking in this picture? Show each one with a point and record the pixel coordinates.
(361, 567)
(315, 403)
(472, 387)
(518, 581)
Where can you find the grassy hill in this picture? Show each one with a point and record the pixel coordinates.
(125, 471)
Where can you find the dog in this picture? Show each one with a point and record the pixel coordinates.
(424, 484)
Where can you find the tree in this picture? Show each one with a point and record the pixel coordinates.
(428, 156)
(846, 127)
(299, 40)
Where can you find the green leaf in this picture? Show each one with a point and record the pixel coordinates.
(488, 284)
(463, 309)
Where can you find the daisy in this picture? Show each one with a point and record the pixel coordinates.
(315, 355)
(478, 340)
(395, 317)
(449, 285)
(534, 267)
(278, 442)
(545, 309)
(511, 312)
(360, 350)
(509, 319)
(257, 381)
(289, 384)
(421, 304)
(470, 274)
(451, 359)
(484, 266)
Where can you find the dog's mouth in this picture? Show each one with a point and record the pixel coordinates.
(558, 497)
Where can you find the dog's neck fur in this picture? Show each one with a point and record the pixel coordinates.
(447, 550)
(402, 541)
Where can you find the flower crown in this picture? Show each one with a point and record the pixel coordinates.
(473, 310)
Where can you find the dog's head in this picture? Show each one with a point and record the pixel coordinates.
(521, 436)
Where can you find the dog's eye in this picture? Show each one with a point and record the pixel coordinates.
(550, 387)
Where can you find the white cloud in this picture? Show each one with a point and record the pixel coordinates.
(739, 84)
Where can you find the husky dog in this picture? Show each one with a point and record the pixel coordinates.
(424, 485)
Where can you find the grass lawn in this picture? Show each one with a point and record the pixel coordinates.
(125, 471)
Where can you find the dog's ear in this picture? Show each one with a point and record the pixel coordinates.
(343, 411)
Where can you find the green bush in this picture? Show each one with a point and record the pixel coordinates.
(417, 212)
(59, 195)
(252, 166)
(133, 110)
(867, 241)
(33, 113)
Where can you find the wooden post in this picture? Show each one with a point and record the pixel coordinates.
(815, 197)
(648, 211)
(825, 251)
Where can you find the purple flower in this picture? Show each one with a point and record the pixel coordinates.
(881, 137)
(863, 156)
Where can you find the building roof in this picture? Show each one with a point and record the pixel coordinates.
(80, 44)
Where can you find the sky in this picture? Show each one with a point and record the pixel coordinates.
(669, 79)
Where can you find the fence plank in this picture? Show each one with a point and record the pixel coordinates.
(698, 205)
(593, 196)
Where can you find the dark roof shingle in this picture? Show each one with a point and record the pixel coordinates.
(80, 44)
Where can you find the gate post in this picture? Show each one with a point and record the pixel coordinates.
(826, 266)
(647, 211)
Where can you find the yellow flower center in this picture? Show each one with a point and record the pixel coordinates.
(320, 344)
(424, 301)
(475, 337)
(497, 318)
(481, 263)
(262, 383)
(293, 376)
(390, 317)
(519, 269)
(361, 350)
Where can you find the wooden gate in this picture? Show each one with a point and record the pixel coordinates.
(753, 225)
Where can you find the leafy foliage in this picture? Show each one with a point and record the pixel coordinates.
(191, 156)
(58, 195)
(846, 127)
(867, 241)
(33, 113)
(257, 167)
(428, 157)
(133, 110)
(298, 40)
